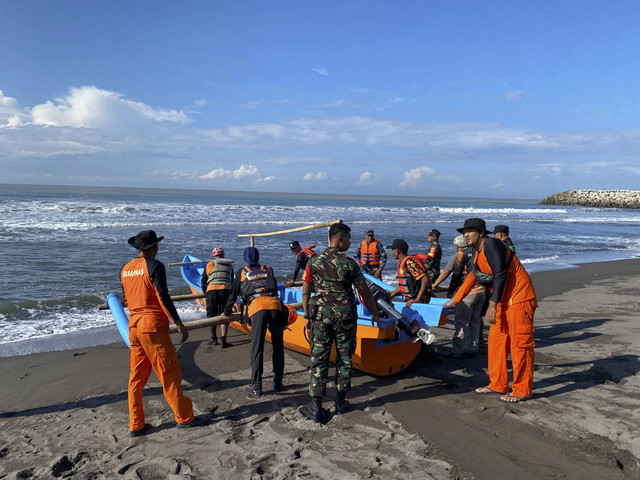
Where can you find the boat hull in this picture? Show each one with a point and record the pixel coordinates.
(380, 350)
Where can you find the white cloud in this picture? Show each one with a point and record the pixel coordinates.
(252, 105)
(13, 122)
(550, 169)
(201, 102)
(7, 102)
(514, 95)
(321, 71)
(268, 179)
(361, 90)
(310, 177)
(241, 172)
(337, 104)
(414, 177)
(11, 114)
(393, 133)
(92, 107)
(367, 178)
(298, 160)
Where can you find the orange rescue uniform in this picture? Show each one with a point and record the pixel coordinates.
(513, 330)
(151, 345)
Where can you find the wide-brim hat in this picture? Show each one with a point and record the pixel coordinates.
(476, 223)
(501, 229)
(144, 240)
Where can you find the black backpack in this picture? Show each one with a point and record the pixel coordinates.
(258, 282)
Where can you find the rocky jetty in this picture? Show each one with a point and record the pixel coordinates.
(596, 198)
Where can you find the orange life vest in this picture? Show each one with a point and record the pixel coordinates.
(308, 251)
(369, 253)
(404, 275)
(146, 311)
(518, 287)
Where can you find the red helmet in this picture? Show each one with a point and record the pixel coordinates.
(217, 252)
(293, 314)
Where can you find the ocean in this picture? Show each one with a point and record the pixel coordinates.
(61, 248)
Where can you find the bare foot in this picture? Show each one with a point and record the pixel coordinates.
(512, 399)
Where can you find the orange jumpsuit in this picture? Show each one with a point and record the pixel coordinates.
(151, 345)
(513, 330)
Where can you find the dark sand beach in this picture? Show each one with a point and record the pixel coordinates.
(64, 414)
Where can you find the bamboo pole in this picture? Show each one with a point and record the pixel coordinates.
(195, 296)
(201, 263)
(175, 298)
(208, 322)
(182, 264)
(291, 230)
(219, 320)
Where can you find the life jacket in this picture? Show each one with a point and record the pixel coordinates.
(369, 253)
(257, 282)
(219, 275)
(518, 286)
(146, 311)
(404, 276)
(308, 251)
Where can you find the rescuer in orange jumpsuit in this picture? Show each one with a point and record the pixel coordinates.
(144, 282)
(510, 312)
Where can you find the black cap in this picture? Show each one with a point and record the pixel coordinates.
(144, 240)
(476, 223)
(399, 244)
(501, 229)
(369, 232)
(293, 245)
(434, 232)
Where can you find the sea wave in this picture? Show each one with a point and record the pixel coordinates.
(548, 258)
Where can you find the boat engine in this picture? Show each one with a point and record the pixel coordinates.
(415, 330)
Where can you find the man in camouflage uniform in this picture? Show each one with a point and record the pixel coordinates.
(332, 317)
(434, 255)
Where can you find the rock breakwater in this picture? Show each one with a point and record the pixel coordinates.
(596, 198)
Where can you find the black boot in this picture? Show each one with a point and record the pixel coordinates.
(342, 406)
(315, 409)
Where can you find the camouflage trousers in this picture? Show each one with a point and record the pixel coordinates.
(433, 273)
(370, 269)
(324, 332)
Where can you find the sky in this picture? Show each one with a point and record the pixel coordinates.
(498, 99)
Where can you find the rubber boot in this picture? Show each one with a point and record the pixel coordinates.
(342, 406)
(315, 409)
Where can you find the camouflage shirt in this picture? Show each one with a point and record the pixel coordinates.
(433, 265)
(333, 275)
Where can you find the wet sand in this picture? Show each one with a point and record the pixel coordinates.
(64, 414)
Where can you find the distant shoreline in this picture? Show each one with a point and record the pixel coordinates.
(256, 193)
(595, 198)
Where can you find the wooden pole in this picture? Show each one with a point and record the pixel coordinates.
(175, 298)
(195, 296)
(203, 263)
(291, 230)
(219, 320)
(208, 322)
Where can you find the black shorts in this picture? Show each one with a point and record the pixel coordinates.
(216, 300)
